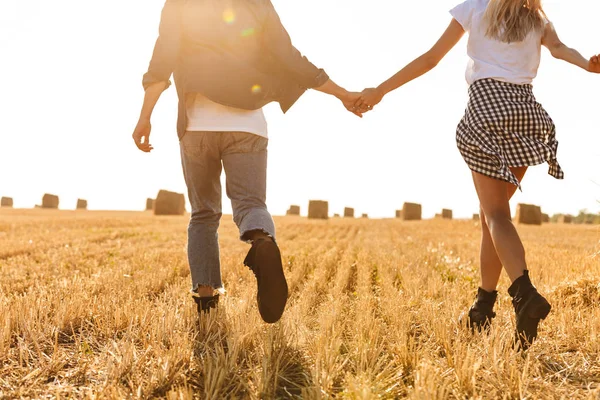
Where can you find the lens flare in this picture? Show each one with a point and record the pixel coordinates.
(229, 16)
(248, 32)
(256, 89)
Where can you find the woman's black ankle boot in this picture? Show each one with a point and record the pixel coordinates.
(530, 308)
(482, 312)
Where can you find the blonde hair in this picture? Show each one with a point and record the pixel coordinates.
(511, 21)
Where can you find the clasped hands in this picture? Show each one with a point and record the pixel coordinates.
(359, 103)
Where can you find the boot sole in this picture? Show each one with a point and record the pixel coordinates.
(272, 286)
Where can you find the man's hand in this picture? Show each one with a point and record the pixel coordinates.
(141, 135)
(594, 66)
(349, 100)
(369, 99)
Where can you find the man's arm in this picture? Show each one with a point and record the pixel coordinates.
(301, 70)
(162, 65)
(167, 47)
(141, 134)
(347, 98)
(280, 45)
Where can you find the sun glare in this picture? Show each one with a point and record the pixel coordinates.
(229, 16)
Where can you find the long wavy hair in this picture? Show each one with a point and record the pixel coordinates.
(510, 21)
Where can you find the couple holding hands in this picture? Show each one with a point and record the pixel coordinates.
(229, 58)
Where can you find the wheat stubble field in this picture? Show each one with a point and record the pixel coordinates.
(96, 305)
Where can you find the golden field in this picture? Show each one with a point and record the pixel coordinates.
(97, 305)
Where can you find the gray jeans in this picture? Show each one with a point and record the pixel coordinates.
(244, 158)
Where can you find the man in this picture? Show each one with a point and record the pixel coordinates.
(229, 58)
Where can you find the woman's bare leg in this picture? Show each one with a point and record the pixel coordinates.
(494, 200)
(490, 264)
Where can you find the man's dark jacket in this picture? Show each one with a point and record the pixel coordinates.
(239, 56)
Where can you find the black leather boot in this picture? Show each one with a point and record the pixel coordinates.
(205, 304)
(264, 260)
(482, 312)
(530, 308)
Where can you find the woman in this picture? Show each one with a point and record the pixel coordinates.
(503, 132)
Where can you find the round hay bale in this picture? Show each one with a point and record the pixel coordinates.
(545, 218)
(365, 216)
(82, 204)
(447, 214)
(438, 216)
(294, 210)
(528, 214)
(149, 204)
(6, 202)
(169, 203)
(336, 215)
(348, 212)
(411, 212)
(398, 213)
(318, 209)
(50, 201)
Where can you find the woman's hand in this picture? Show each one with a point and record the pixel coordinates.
(369, 99)
(594, 66)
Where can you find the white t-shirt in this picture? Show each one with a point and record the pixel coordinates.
(207, 116)
(516, 63)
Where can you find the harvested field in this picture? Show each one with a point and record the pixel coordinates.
(97, 305)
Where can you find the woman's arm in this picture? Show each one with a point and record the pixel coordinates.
(562, 52)
(415, 69)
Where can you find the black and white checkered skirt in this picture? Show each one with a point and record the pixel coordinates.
(504, 126)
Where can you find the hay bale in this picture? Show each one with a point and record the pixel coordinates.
(336, 215)
(476, 217)
(82, 204)
(528, 214)
(149, 204)
(365, 216)
(348, 212)
(318, 209)
(565, 219)
(438, 216)
(293, 210)
(446, 214)
(411, 212)
(169, 203)
(6, 202)
(398, 213)
(545, 218)
(50, 201)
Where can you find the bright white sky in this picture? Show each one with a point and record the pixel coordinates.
(72, 92)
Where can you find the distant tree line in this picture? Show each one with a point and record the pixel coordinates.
(584, 217)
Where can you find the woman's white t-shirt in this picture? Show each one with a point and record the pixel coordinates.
(516, 63)
(204, 115)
